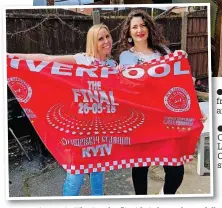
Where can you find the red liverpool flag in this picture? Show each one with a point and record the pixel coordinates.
(95, 118)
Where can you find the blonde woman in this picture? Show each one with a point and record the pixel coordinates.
(98, 49)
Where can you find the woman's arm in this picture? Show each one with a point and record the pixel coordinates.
(68, 59)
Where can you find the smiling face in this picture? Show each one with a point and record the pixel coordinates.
(99, 42)
(104, 42)
(138, 30)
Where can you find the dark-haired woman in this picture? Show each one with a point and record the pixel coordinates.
(141, 42)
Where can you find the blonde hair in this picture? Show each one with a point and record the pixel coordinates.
(92, 39)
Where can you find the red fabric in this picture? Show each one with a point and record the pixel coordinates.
(150, 120)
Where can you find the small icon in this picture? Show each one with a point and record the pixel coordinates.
(219, 91)
(219, 128)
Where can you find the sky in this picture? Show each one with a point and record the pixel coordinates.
(75, 2)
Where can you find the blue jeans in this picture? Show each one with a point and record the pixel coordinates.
(73, 183)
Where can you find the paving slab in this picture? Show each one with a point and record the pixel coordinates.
(29, 180)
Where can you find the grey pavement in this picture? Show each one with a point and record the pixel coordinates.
(27, 179)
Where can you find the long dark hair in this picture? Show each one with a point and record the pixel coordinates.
(155, 40)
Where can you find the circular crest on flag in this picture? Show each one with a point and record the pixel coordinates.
(21, 89)
(177, 99)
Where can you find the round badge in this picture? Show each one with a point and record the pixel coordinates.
(21, 89)
(177, 99)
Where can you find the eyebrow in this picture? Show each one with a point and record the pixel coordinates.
(105, 36)
(138, 24)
